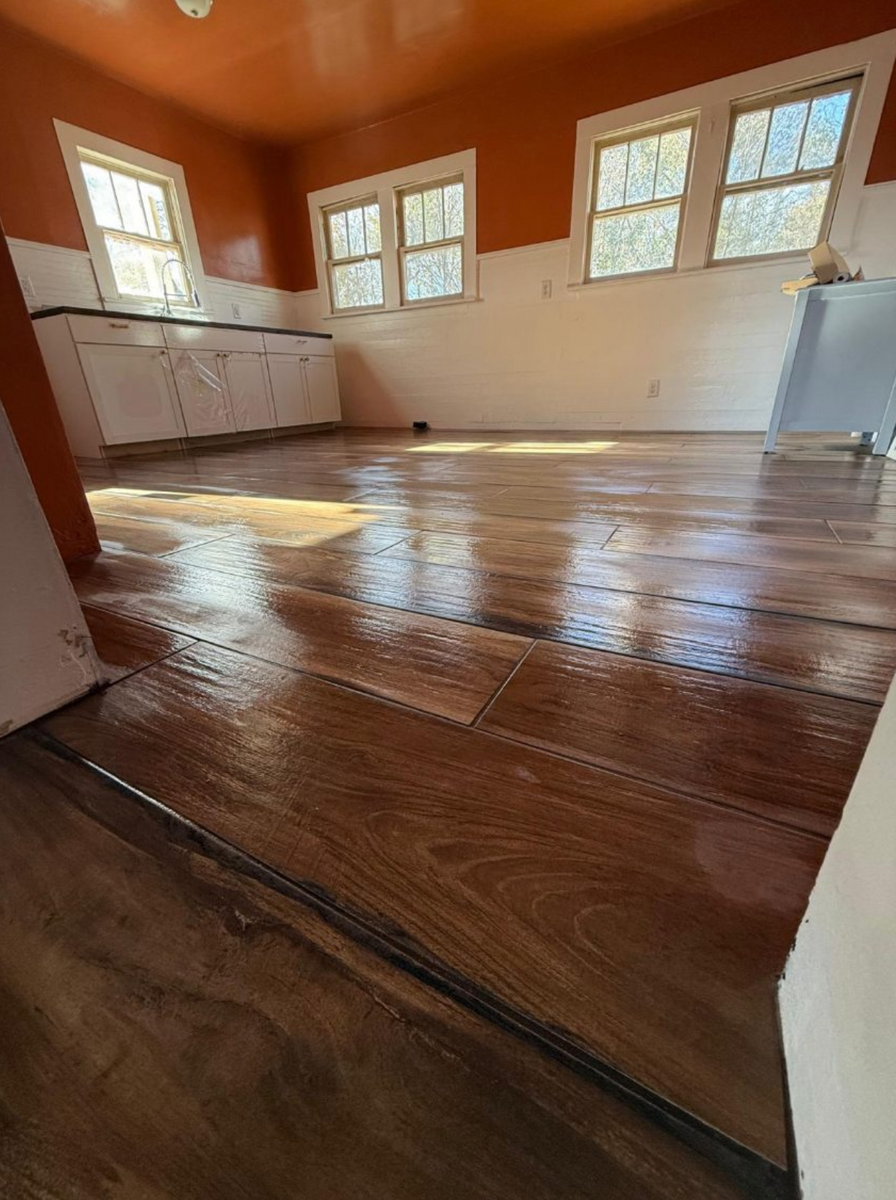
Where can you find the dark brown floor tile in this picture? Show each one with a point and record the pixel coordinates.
(782, 754)
(179, 1029)
(864, 535)
(648, 926)
(842, 660)
(125, 645)
(149, 537)
(443, 667)
(815, 557)
(800, 593)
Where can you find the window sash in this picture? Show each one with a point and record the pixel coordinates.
(834, 172)
(174, 247)
(403, 251)
(624, 137)
(418, 189)
(334, 260)
(405, 248)
(346, 262)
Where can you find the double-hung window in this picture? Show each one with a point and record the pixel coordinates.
(138, 224)
(136, 213)
(782, 170)
(354, 254)
(401, 239)
(753, 167)
(639, 184)
(431, 239)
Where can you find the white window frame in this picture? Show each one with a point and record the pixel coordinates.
(834, 172)
(387, 188)
(872, 56)
(331, 260)
(404, 248)
(623, 137)
(71, 141)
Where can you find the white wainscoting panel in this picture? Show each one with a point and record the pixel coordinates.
(53, 275)
(580, 360)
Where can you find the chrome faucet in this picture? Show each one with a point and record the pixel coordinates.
(188, 275)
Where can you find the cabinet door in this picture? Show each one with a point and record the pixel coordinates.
(249, 389)
(202, 388)
(323, 391)
(288, 387)
(133, 392)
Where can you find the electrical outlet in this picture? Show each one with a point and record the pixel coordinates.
(653, 388)
(236, 312)
(546, 289)
(28, 290)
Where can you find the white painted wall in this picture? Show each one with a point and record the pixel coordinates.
(46, 653)
(581, 360)
(838, 995)
(53, 275)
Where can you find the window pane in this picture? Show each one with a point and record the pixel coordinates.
(413, 219)
(747, 146)
(355, 219)
(102, 195)
(431, 273)
(358, 284)
(771, 221)
(130, 204)
(634, 241)
(372, 226)
(432, 215)
(641, 170)
(454, 210)
(338, 235)
(138, 269)
(673, 163)
(155, 205)
(611, 171)
(784, 138)
(822, 140)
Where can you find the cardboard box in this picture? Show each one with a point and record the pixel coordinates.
(828, 264)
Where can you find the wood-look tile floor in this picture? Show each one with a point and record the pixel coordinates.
(553, 729)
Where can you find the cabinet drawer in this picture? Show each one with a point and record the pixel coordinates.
(297, 343)
(115, 331)
(195, 337)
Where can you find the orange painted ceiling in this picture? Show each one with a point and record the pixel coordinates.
(290, 70)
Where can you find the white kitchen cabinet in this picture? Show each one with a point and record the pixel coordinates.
(321, 387)
(133, 392)
(202, 388)
(288, 387)
(305, 388)
(249, 390)
(121, 378)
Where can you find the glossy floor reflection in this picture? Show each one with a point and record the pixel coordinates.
(566, 720)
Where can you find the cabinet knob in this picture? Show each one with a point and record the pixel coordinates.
(119, 324)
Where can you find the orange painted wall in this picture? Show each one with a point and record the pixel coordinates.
(236, 186)
(524, 129)
(26, 395)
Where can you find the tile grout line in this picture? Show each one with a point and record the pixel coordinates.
(491, 700)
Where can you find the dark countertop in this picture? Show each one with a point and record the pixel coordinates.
(163, 320)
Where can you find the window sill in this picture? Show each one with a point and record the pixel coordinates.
(401, 308)
(787, 261)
